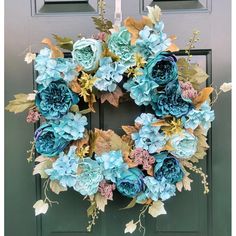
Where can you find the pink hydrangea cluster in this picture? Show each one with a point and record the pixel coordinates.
(106, 189)
(187, 90)
(33, 116)
(142, 157)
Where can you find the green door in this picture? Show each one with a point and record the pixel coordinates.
(189, 213)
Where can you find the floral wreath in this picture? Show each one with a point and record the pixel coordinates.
(155, 156)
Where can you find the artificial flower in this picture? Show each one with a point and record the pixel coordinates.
(86, 53)
(109, 74)
(47, 142)
(33, 116)
(71, 126)
(130, 183)
(55, 100)
(64, 169)
(106, 189)
(188, 91)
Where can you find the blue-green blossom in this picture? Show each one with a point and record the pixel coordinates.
(53, 69)
(89, 177)
(130, 183)
(47, 142)
(86, 53)
(141, 89)
(184, 144)
(113, 165)
(55, 100)
(64, 169)
(168, 168)
(120, 44)
(71, 126)
(203, 117)
(148, 137)
(152, 41)
(109, 74)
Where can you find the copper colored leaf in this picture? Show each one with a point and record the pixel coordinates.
(202, 96)
(134, 26)
(112, 98)
(173, 47)
(129, 129)
(56, 52)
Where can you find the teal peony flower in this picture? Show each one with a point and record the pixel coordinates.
(203, 117)
(47, 142)
(162, 69)
(130, 183)
(141, 89)
(109, 74)
(89, 177)
(158, 189)
(184, 144)
(86, 53)
(113, 165)
(64, 169)
(148, 137)
(152, 41)
(168, 168)
(170, 102)
(71, 126)
(55, 101)
(53, 69)
(120, 44)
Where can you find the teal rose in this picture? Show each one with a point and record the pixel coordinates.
(120, 44)
(184, 144)
(162, 69)
(130, 183)
(86, 53)
(47, 142)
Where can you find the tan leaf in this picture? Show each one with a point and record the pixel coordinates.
(29, 57)
(41, 167)
(129, 129)
(134, 26)
(56, 187)
(200, 76)
(186, 183)
(112, 98)
(225, 87)
(202, 96)
(130, 227)
(173, 47)
(154, 13)
(156, 209)
(40, 207)
(56, 52)
(101, 201)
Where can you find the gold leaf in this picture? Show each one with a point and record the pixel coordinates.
(134, 26)
(56, 52)
(129, 129)
(112, 98)
(202, 96)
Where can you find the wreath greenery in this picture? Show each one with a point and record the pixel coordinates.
(156, 154)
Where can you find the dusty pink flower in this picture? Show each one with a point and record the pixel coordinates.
(33, 116)
(100, 36)
(106, 189)
(187, 90)
(142, 157)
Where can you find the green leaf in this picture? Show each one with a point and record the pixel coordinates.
(91, 209)
(20, 104)
(130, 205)
(65, 43)
(103, 25)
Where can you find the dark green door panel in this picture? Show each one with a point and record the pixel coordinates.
(189, 213)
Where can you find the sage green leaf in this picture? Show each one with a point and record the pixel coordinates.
(20, 103)
(130, 205)
(91, 209)
(65, 43)
(103, 25)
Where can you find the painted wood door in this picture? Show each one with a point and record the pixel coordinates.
(189, 213)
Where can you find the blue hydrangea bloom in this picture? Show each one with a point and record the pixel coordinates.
(108, 74)
(71, 126)
(141, 89)
(89, 177)
(148, 137)
(168, 168)
(55, 100)
(130, 183)
(113, 165)
(47, 142)
(203, 117)
(64, 169)
(152, 41)
(158, 189)
(170, 101)
(120, 44)
(184, 144)
(53, 69)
